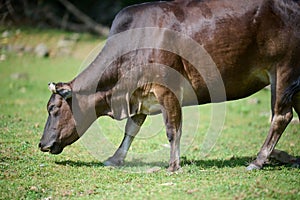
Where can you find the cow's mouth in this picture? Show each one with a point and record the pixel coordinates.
(55, 148)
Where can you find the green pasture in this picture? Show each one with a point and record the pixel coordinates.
(77, 173)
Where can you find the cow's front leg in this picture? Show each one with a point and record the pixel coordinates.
(132, 127)
(174, 134)
(171, 111)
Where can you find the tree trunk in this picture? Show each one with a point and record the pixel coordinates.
(90, 23)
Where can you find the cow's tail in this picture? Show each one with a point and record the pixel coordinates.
(291, 91)
(292, 96)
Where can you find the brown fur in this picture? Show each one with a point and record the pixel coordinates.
(253, 43)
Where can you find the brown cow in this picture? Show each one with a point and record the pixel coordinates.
(164, 55)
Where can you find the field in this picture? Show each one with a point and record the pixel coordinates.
(78, 173)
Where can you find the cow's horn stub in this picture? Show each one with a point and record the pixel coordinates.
(52, 87)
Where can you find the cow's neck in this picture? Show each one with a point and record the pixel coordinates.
(102, 103)
(87, 107)
(92, 90)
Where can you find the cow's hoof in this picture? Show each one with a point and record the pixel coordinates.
(252, 167)
(113, 163)
(296, 164)
(174, 171)
(174, 168)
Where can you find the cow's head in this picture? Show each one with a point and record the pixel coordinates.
(60, 129)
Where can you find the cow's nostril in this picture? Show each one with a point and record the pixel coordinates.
(44, 148)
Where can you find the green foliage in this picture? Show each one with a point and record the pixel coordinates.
(27, 173)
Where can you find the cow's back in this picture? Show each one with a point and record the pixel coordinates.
(231, 31)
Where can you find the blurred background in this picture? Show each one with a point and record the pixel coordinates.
(71, 15)
(50, 28)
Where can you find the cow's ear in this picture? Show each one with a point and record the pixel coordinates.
(52, 87)
(63, 89)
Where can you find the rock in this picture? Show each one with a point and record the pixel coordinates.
(34, 188)
(295, 121)
(153, 170)
(6, 34)
(168, 184)
(41, 50)
(65, 46)
(253, 101)
(75, 37)
(19, 76)
(28, 49)
(268, 87)
(18, 48)
(2, 57)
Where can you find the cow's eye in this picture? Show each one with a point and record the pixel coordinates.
(51, 108)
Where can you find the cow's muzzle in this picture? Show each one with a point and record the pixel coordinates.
(54, 148)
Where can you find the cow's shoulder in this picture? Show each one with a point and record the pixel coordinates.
(152, 14)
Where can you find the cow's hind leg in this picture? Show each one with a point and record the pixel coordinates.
(172, 115)
(132, 127)
(296, 105)
(282, 115)
(283, 156)
(291, 95)
(279, 122)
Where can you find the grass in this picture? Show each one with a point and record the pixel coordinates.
(27, 173)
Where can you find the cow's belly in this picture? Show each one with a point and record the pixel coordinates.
(247, 84)
(234, 88)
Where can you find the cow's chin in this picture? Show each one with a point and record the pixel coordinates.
(56, 149)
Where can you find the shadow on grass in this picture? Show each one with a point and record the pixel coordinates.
(205, 163)
(79, 163)
(139, 165)
(218, 163)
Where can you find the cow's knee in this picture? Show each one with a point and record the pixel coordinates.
(282, 120)
(170, 136)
